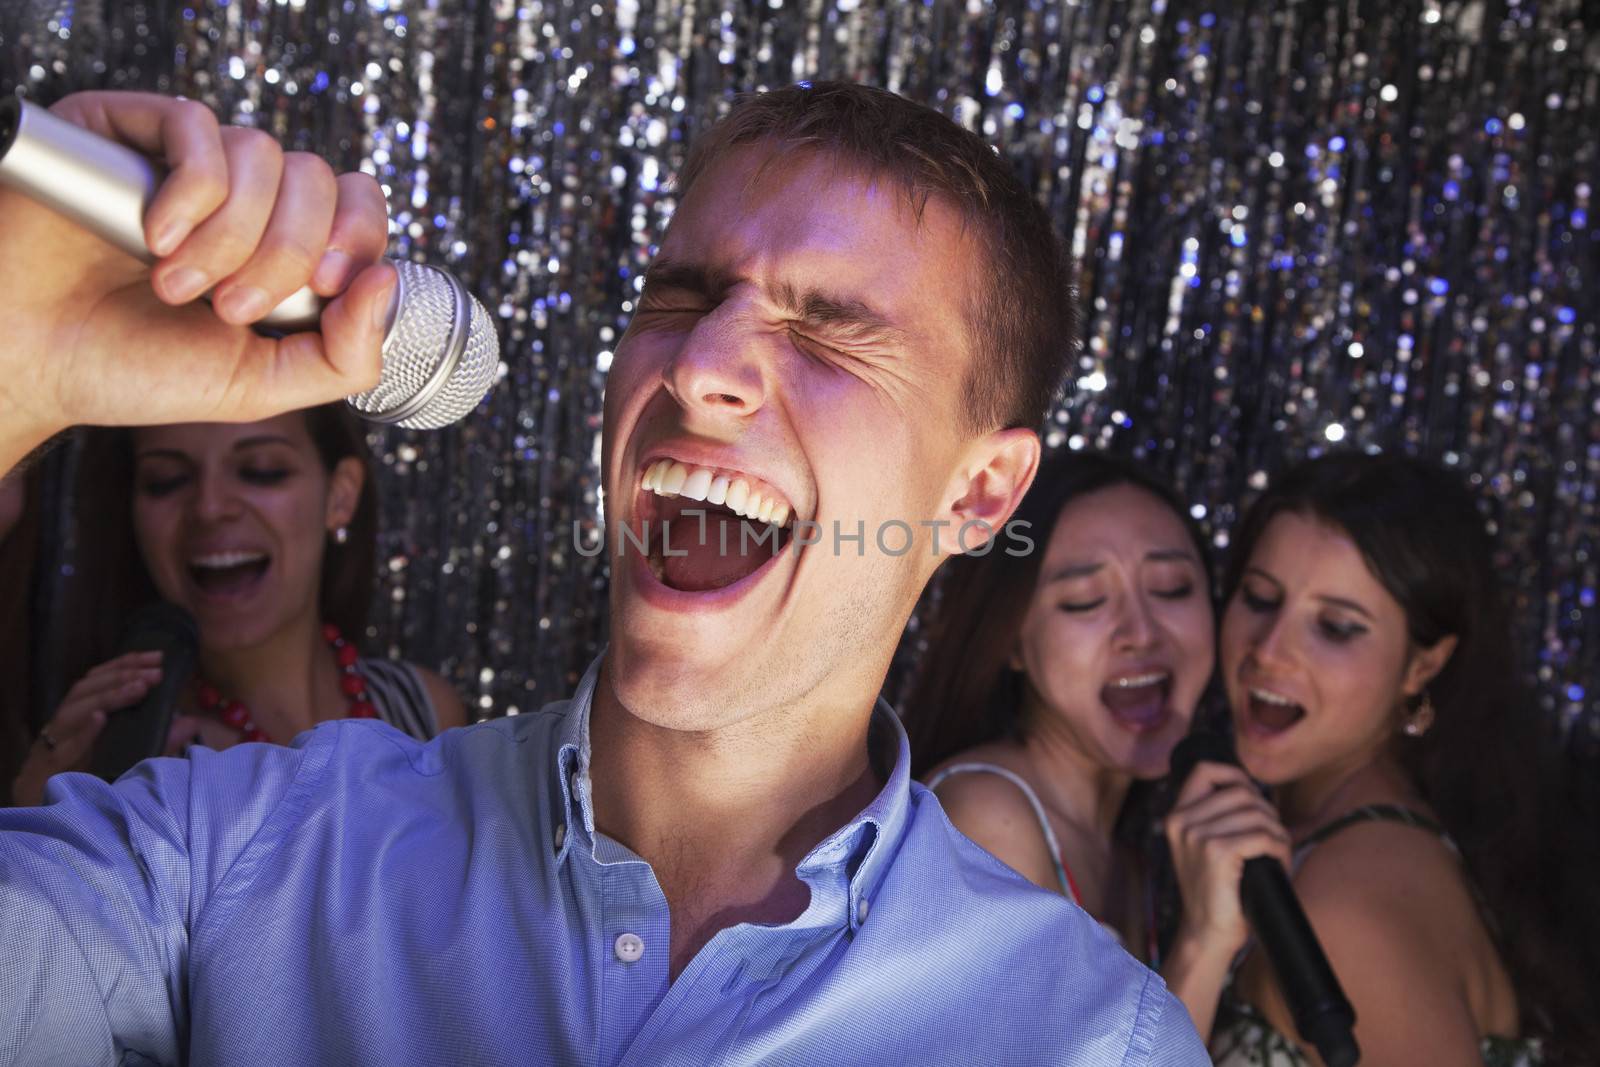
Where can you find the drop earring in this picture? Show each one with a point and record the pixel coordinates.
(1418, 721)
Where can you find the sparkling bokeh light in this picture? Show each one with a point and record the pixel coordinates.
(1300, 225)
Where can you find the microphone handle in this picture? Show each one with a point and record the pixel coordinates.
(106, 188)
(1322, 1015)
(139, 731)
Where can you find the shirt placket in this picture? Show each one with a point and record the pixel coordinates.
(632, 935)
(700, 1019)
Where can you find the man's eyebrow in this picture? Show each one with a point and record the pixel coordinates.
(855, 319)
(667, 273)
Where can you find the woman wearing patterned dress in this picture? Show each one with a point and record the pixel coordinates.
(265, 533)
(1367, 665)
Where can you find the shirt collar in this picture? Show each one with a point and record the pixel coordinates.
(844, 870)
(571, 779)
(858, 854)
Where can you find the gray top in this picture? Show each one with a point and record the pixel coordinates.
(395, 689)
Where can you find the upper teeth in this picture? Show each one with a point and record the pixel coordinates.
(1138, 680)
(666, 477)
(1271, 698)
(227, 559)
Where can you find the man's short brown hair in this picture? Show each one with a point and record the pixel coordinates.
(1023, 322)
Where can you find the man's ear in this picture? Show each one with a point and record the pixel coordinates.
(1426, 663)
(344, 491)
(988, 487)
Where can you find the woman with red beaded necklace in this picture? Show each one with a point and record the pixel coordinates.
(264, 532)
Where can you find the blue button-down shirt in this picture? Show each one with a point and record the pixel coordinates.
(365, 898)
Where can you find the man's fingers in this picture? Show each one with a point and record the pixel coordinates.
(353, 326)
(229, 236)
(258, 227)
(359, 236)
(307, 369)
(292, 245)
(197, 180)
(181, 134)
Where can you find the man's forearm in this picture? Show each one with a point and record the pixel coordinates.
(23, 437)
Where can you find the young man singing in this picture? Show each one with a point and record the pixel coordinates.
(713, 852)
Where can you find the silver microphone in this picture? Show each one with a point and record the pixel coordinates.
(440, 352)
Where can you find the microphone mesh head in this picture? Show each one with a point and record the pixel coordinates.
(435, 367)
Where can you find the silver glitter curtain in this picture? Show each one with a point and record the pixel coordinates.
(1301, 225)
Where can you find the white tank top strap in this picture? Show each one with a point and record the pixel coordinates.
(1017, 780)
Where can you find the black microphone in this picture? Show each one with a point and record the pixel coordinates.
(1321, 1013)
(139, 732)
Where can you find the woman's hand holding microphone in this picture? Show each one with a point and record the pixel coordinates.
(68, 739)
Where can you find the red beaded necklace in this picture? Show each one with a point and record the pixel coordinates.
(236, 715)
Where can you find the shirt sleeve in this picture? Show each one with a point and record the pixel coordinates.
(100, 887)
(1164, 1034)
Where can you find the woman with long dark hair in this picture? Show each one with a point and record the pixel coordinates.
(1368, 665)
(1057, 678)
(265, 533)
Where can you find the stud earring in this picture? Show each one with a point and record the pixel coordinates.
(341, 535)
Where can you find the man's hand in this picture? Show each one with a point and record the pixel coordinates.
(95, 337)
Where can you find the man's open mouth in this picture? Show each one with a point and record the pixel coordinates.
(702, 528)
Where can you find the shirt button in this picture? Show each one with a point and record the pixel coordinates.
(861, 910)
(561, 835)
(628, 948)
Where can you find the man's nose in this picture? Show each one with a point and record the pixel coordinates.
(718, 372)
